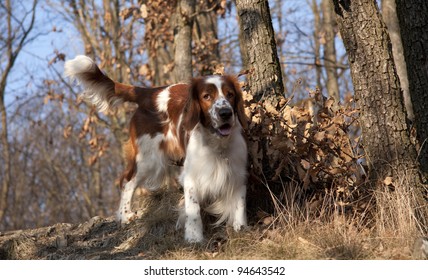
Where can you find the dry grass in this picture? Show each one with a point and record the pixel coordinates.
(395, 213)
(297, 232)
(305, 242)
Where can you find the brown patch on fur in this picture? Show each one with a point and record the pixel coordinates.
(130, 152)
(239, 101)
(126, 92)
(192, 109)
(179, 95)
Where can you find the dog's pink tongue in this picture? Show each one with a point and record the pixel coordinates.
(225, 130)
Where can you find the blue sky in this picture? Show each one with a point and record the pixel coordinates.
(32, 64)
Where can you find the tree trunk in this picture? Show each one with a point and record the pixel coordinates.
(160, 60)
(207, 54)
(183, 40)
(281, 35)
(4, 194)
(257, 35)
(389, 151)
(117, 65)
(330, 61)
(159, 39)
(413, 18)
(243, 50)
(389, 15)
(317, 42)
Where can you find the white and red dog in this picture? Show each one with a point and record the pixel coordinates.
(201, 123)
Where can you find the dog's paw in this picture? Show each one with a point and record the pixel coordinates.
(238, 226)
(125, 217)
(193, 234)
(193, 238)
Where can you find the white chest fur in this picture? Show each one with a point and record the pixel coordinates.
(214, 176)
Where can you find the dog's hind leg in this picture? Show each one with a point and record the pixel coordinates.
(124, 213)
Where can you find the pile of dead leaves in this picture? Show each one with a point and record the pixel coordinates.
(314, 144)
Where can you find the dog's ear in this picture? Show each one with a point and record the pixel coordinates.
(192, 109)
(239, 103)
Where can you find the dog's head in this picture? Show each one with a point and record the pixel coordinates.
(215, 102)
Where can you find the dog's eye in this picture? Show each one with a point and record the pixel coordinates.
(230, 95)
(206, 96)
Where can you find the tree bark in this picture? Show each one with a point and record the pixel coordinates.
(389, 151)
(330, 60)
(160, 60)
(183, 40)
(4, 194)
(389, 15)
(115, 62)
(206, 38)
(159, 39)
(257, 35)
(413, 18)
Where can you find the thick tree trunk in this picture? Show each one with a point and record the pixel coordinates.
(330, 60)
(183, 40)
(413, 18)
(389, 151)
(260, 57)
(265, 79)
(243, 51)
(389, 15)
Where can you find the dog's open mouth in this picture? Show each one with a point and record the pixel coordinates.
(225, 129)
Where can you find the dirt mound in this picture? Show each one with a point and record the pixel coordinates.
(98, 238)
(147, 237)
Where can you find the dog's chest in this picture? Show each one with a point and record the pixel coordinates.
(216, 165)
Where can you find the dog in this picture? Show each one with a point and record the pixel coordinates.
(200, 124)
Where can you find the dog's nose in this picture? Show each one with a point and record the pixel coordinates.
(225, 113)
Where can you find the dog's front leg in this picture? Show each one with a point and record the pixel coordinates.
(193, 225)
(240, 217)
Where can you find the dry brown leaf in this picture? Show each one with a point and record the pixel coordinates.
(388, 181)
(319, 136)
(143, 70)
(270, 108)
(143, 11)
(306, 165)
(67, 131)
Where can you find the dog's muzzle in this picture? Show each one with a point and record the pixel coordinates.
(222, 116)
(226, 116)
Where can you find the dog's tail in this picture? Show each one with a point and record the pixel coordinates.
(100, 90)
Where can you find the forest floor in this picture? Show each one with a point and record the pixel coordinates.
(155, 236)
(102, 238)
